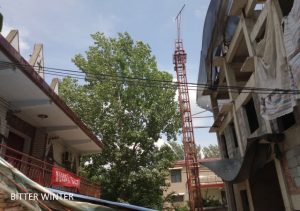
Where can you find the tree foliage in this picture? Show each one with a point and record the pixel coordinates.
(178, 149)
(130, 115)
(212, 151)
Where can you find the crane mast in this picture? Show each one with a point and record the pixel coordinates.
(190, 152)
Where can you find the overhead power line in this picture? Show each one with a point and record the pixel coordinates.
(174, 86)
(199, 113)
(152, 82)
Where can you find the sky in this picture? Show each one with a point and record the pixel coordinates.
(64, 28)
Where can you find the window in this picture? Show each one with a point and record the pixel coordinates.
(177, 198)
(176, 175)
(286, 121)
(251, 115)
(286, 6)
(232, 129)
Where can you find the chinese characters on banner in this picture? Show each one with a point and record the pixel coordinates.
(63, 178)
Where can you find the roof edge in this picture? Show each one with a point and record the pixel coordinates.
(29, 71)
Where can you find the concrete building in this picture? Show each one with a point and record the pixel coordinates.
(39, 134)
(249, 79)
(212, 186)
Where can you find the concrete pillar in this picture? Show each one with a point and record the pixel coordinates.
(280, 175)
(228, 187)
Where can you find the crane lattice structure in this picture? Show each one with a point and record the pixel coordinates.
(190, 152)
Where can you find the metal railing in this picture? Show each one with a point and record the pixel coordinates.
(41, 171)
(211, 180)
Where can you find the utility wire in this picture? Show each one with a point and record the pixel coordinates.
(194, 85)
(240, 88)
(174, 86)
(168, 84)
(80, 74)
(199, 113)
(192, 88)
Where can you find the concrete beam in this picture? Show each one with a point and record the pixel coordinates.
(258, 26)
(237, 37)
(37, 59)
(13, 39)
(61, 128)
(26, 104)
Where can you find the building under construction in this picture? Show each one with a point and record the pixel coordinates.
(249, 79)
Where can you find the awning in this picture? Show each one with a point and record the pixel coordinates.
(21, 184)
(258, 153)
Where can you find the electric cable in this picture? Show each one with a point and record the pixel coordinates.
(163, 83)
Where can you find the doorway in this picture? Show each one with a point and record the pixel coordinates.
(15, 142)
(265, 189)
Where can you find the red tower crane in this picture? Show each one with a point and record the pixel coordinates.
(190, 152)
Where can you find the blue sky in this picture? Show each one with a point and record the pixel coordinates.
(64, 27)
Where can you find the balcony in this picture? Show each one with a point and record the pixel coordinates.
(41, 172)
(211, 181)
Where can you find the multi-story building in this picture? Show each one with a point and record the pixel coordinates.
(249, 71)
(42, 140)
(212, 186)
(39, 134)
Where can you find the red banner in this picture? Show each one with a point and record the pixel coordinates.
(61, 177)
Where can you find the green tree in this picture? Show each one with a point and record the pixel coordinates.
(179, 150)
(212, 151)
(130, 114)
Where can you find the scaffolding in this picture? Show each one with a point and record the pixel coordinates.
(190, 152)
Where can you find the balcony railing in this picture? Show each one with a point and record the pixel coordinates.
(41, 171)
(210, 181)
